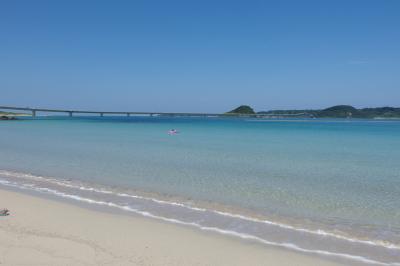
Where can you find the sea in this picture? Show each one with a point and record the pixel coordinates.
(324, 187)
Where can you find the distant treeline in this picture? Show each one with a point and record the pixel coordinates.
(341, 111)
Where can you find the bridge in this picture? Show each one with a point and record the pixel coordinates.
(35, 111)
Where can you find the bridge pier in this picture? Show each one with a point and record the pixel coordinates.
(101, 114)
(33, 113)
(70, 114)
(128, 114)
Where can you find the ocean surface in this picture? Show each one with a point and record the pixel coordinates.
(324, 187)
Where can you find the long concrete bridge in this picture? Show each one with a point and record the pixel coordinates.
(35, 111)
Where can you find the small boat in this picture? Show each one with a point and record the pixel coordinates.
(173, 132)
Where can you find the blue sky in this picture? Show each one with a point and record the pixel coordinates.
(199, 55)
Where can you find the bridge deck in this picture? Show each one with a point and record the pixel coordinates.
(102, 113)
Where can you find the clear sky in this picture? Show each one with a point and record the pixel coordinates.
(199, 55)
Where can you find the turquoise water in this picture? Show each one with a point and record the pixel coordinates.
(330, 187)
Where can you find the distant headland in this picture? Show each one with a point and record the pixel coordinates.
(8, 116)
(337, 111)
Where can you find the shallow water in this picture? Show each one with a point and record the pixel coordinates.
(329, 187)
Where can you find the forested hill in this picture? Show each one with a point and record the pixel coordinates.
(342, 111)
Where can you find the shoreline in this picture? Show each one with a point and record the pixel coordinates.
(105, 199)
(46, 232)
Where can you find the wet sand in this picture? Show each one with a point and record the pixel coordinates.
(45, 232)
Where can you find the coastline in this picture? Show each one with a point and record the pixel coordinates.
(45, 232)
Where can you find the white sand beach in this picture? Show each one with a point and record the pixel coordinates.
(45, 232)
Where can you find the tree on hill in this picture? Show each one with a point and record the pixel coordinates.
(243, 109)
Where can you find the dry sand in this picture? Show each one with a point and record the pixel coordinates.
(45, 232)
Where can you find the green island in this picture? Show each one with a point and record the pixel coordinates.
(241, 110)
(337, 111)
